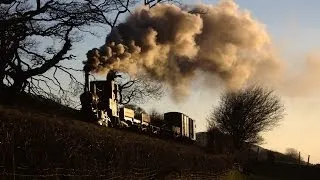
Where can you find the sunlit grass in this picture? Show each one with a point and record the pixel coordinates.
(234, 175)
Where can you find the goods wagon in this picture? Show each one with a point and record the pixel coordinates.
(180, 124)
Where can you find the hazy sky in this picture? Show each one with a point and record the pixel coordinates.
(295, 31)
(295, 28)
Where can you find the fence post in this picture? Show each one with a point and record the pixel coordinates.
(299, 157)
(308, 159)
(13, 149)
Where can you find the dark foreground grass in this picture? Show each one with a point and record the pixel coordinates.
(284, 171)
(34, 143)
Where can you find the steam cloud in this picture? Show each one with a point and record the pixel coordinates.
(305, 81)
(173, 44)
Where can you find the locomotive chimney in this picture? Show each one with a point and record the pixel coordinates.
(86, 83)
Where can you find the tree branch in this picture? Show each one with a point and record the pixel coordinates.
(50, 63)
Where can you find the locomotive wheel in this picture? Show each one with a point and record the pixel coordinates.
(103, 122)
(106, 123)
(100, 122)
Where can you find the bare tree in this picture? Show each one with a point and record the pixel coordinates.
(293, 153)
(217, 141)
(36, 39)
(245, 113)
(152, 3)
(138, 89)
(156, 118)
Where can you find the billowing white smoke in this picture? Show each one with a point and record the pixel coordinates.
(171, 45)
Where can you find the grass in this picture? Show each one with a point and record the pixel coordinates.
(234, 175)
(41, 137)
(44, 140)
(280, 170)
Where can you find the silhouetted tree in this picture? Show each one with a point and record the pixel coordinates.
(217, 141)
(152, 3)
(36, 38)
(156, 118)
(138, 89)
(293, 153)
(245, 113)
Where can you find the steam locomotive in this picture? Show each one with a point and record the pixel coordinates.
(100, 105)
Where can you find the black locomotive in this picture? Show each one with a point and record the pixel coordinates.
(100, 105)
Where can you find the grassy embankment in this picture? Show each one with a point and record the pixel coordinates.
(41, 137)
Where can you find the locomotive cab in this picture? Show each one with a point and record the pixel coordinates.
(106, 91)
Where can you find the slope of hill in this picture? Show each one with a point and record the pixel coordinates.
(43, 138)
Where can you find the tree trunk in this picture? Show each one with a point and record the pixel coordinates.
(2, 74)
(19, 83)
(120, 95)
(2, 85)
(236, 143)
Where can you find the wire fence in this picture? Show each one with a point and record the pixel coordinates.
(23, 155)
(109, 173)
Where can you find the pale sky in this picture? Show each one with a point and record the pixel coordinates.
(295, 30)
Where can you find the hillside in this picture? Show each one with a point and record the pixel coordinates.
(42, 138)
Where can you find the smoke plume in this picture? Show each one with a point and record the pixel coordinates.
(172, 44)
(304, 82)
